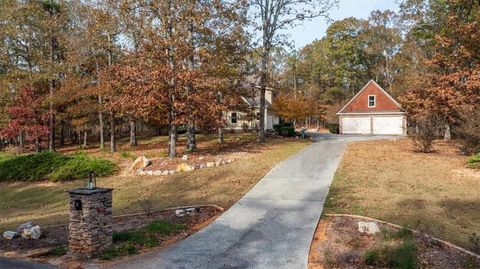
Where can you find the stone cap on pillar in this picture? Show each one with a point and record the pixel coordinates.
(83, 191)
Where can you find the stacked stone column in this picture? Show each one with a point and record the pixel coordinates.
(90, 228)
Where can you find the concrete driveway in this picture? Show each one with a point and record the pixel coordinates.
(271, 226)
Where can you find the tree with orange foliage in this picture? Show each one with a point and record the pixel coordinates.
(297, 109)
(451, 91)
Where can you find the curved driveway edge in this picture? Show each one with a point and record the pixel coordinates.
(7, 263)
(272, 226)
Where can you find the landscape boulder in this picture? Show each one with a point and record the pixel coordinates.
(180, 213)
(23, 226)
(32, 233)
(368, 227)
(183, 167)
(139, 163)
(9, 235)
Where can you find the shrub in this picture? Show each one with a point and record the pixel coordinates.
(146, 205)
(334, 128)
(467, 130)
(424, 131)
(128, 242)
(79, 165)
(401, 256)
(182, 129)
(118, 251)
(474, 240)
(285, 129)
(474, 161)
(372, 257)
(51, 165)
(127, 155)
(58, 251)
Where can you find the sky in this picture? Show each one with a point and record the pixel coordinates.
(315, 29)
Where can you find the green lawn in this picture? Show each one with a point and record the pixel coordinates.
(47, 202)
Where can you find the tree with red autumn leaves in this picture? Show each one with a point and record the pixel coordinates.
(28, 118)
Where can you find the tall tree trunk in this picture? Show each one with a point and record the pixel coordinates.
(79, 138)
(112, 132)
(263, 86)
(38, 147)
(172, 137)
(191, 140)
(85, 136)
(133, 132)
(101, 125)
(172, 133)
(62, 133)
(20, 140)
(447, 135)
(51, 120)
(220, 135)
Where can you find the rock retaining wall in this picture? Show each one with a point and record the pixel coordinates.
(184, 167)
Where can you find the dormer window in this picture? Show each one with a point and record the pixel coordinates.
(371, 101)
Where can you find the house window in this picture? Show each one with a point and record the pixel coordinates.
(258, 115)
(233, 118)
(371, 101)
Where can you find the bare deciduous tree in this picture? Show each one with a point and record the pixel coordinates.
(271, 17)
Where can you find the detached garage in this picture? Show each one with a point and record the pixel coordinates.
(372, 111)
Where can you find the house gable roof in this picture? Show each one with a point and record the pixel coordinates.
(359, 103)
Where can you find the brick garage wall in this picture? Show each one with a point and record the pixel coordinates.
(360, 103)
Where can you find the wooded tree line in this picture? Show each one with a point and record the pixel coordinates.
(85, 67)
(81, 69)
(427, 55)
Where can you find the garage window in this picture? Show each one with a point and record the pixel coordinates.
(371, 101)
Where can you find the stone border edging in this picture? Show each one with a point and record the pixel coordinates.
(448, 244)
(185, 167)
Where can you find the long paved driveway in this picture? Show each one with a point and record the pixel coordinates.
(270, 227)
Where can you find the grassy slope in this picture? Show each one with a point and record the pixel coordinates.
(434, 193)
(47, 202)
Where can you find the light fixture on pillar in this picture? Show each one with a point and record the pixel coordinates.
(91, 182)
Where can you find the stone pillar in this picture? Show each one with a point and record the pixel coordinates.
(90, 228)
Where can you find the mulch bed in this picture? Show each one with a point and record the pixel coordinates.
(337, 243)
(57, 235)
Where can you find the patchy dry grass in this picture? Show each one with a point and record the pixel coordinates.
(47, 202)
(435, 193)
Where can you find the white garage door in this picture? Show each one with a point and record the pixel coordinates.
(388, 125)
(356, 125)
